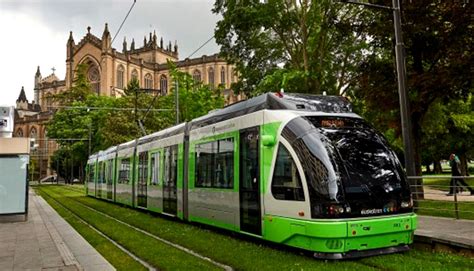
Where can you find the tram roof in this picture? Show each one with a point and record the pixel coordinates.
(174, 130)
(277, 101)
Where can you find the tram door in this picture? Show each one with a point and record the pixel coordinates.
(109, 177)
(170, 199)
(250, 210)
(142, 179)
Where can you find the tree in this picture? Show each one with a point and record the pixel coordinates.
(439, 44)
(122, 126)
(195, 98)
(449, 130)
(71, 127)
(301, 46)
(80, 89)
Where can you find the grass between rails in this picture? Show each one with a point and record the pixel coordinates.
(119, 259)
(249, 255)
(154, 252)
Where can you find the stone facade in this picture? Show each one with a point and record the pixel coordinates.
(109, 72)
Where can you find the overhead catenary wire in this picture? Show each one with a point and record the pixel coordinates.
(200, 47)
(126, 16)
(110, 108)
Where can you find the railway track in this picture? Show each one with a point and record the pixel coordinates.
(225, 267)
(413, 260)
(129, 253)
(144, 263)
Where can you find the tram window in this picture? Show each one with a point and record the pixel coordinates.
(124, 171)
(100, 177)
(91, 173)
(171, 165)
(143, 167)
(109, 171)
(286, 183)
(215, 164)
(155, 168)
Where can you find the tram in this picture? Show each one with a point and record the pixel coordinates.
(300, 170)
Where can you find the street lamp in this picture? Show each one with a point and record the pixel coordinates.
(401, 79)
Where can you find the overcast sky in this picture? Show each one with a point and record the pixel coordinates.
(34, 32)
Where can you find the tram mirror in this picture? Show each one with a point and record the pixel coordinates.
(268, 140)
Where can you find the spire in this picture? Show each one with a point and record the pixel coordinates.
(106, 38)
(151, 38)
(37, 83)
(124, 49)
(106, 30)
(154, 36)
(132, 45)
(38, 73)
(144, 41)
(169, 46)
(161, 42)
(71, 39)
(175, 46)
(22, 97)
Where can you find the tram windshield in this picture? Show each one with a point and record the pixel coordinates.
(349, 168)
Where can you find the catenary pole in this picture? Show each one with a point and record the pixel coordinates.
(403, 93)
(402, 89)
(177, 102)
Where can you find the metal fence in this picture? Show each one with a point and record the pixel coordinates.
(445, 196)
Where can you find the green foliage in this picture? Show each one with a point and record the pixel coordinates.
(437, 37)
(301, 46)
(195, 99)
(79, 91)
(447, 128)
(115, 120)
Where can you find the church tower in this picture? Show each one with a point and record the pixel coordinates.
(37, 82)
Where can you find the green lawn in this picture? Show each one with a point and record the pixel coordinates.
(444, 208)
(154, 252)
(232, 249)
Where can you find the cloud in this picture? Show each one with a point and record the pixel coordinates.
(35, 32)
(25, 44)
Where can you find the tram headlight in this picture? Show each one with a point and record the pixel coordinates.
(407, 204)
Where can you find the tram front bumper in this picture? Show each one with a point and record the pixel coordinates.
(348, 238)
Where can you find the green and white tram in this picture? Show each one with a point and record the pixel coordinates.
(295, 169)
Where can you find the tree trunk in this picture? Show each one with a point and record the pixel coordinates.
(437, 167)
(428, 170)
(464, 170)
(416, 139)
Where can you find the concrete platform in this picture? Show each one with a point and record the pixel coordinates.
(446, 233)
(46, 242)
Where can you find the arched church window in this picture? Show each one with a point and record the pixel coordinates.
(223, 76)
(163, 84)
(93, 75)
(197, 76)
(210, 74)
(148, 81)
(33, 133)
(19, 133)
(135, 74)
(120, 77)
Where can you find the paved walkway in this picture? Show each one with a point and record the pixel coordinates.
(46, 242)
(435, 194)
(450, 231)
